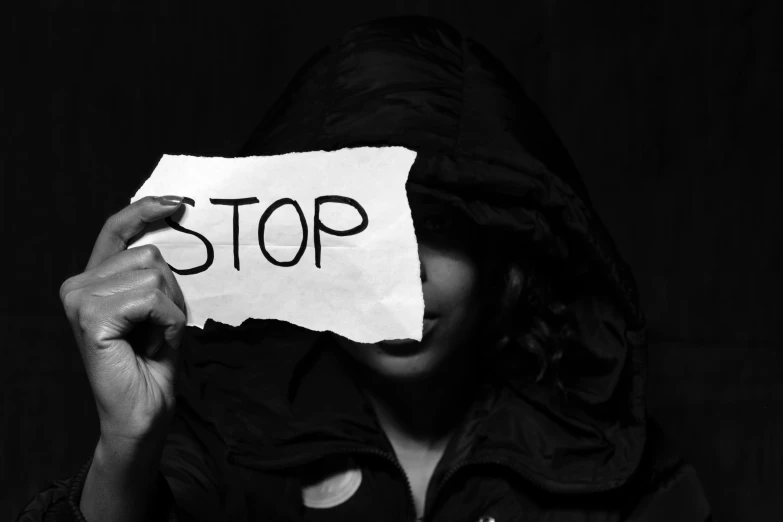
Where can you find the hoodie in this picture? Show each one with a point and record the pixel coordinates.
(269, 426)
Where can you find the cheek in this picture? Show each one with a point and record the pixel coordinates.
(453, 283)
(451, 289)
(454, 291)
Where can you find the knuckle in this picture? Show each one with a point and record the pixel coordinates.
(156, 279)
(70, 298)
(156, 298)
(65, 289)
(87, 313)
(150, 254)
(169, 274)
(165, 269)
(113, 221)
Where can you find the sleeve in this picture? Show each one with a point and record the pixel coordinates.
(190, 464)
(188, 484)
(60, 501)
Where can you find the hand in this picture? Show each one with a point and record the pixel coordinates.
(128, 316)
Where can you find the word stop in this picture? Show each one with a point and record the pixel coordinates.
(236, 203)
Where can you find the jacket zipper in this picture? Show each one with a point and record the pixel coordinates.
(395, 462)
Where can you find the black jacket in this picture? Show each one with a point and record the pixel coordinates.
(268, 409)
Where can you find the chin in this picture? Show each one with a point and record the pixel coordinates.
(390, 362)
(398, 360)
(408, 359)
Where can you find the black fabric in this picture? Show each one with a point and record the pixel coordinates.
(483, 146)
(263, 402)
(207, 485)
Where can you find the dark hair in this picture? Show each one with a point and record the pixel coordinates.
(527, 328)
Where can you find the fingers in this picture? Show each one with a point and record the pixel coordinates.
(139, 258)
(128, 222)
(111, 308)
(139, 306)
(152, 324)
(146, 280)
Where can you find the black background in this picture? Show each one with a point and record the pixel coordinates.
(670, 109)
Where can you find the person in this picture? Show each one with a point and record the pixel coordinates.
(524, 400)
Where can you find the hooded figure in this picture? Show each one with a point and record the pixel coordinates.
(270, 424)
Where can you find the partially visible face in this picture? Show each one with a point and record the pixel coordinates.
(452, 298)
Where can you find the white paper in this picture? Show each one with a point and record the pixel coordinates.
(368, 287)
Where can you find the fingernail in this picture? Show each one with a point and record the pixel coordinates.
(170, 201)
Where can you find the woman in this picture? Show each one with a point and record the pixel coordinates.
(524, 400)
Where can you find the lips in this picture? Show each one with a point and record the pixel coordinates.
(396, 345)
(429, 323)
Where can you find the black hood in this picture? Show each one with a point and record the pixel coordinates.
(483, 146)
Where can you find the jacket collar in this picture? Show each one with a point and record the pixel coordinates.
(310, 407)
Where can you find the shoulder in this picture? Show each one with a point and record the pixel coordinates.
(669, 488)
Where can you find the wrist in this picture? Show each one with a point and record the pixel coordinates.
(132, 457)
(122, 483)
(136, 428)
